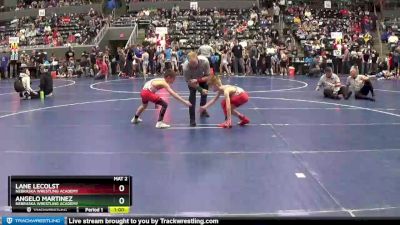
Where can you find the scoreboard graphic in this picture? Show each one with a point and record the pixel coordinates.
(83, 194)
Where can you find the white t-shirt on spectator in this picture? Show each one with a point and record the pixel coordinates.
(253, 15)
(393, 39)
(47, 28)
(250, 23)
(276, 10)
(32, 33)
(178, 25)
(356, 83)
(307, 14)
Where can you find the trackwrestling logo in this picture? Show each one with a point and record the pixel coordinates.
(33, 220)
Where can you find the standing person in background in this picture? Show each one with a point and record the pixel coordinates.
(284, 63)
(69, 54)
(46, 81)
(161, 61)
(237, 51)
(93, 55)
(174, 59)
(137, 62)
(13, 65)
(152, 65)
(122, 58)
(181, 59)
(254, 55)
(374, 61)
(247, 62)
(345, 60)
(282, 4)
(70, 68)
(145, 60)
(36, 62)
(4, 65)
(129, 62)
(127, 3)
(366, 61)
(396, 61)
(206, 51)
(276, 10)
(168, 57)
(107, 54)
(84, 64)
(224, 66)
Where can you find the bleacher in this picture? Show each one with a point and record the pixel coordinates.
(82, 26)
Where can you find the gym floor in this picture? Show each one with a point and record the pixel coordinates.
(302, 155)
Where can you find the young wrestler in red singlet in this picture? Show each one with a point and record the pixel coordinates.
(148, 94)
(234, 97)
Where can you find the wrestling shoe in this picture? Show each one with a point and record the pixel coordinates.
(225, 125)
(162, 125)
(136, 120)
(243, 121)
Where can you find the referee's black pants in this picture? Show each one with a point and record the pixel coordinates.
(192, 100)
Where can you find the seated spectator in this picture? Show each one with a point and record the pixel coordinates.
(332, 87)
(103, 69)
(360, 84)
(23, 84)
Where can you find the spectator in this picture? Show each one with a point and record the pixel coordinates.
(207, 51)
(26, 92)
(4, 65)
(103, 68)
(46, 81)
(332, 87)
(276, 10)
(254, 55)
(69, 54)
(237, 51)
(360, 84)
(145, 60)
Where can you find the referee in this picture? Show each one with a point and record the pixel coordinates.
(196, 71)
